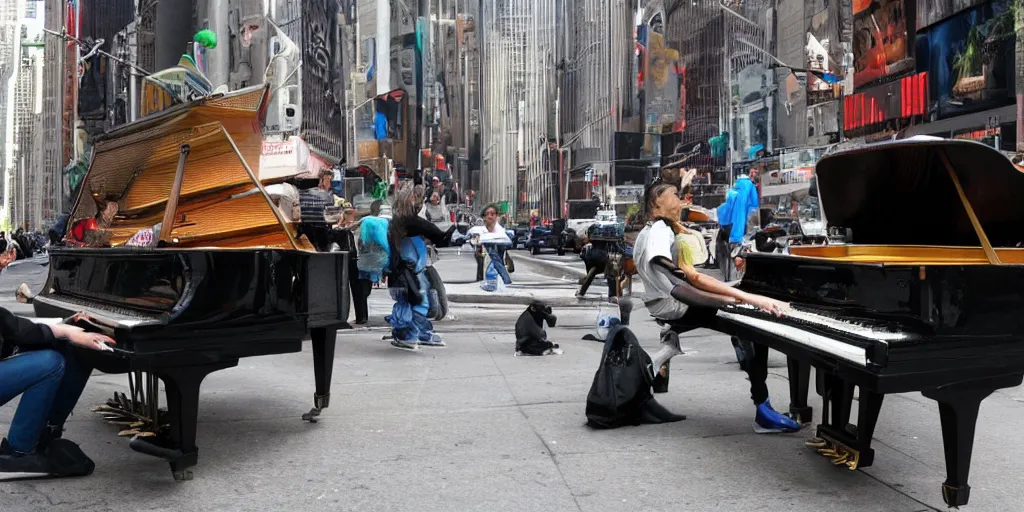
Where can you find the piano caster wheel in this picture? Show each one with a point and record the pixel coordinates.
(956, 496)
(182, 475)
(311, 415)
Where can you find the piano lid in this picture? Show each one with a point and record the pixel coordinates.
(137, 165)
(901, 193)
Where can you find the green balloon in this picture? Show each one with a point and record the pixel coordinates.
(207, 38)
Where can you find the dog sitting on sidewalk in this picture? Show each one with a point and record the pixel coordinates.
(531, 338)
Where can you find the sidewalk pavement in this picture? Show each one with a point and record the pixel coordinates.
(471, 427)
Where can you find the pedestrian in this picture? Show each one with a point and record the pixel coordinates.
(493, 242)
(407, 280)
(733, 217)
(345, 234)
(313, 202)
(436, 211)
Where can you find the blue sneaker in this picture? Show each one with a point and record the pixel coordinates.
(770, 421)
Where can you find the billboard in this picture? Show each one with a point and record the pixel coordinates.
(971, 60)
(880, 42)
(933, 11)
(661, 85)
(901, 100)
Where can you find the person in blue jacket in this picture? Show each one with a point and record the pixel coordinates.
(407, 280)
(740, 202)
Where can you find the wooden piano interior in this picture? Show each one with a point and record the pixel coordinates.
(215, 208)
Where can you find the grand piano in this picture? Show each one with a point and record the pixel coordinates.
(228, 277)
(925, 295)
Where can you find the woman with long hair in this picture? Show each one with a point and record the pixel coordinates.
(664, 256)
(407, 279)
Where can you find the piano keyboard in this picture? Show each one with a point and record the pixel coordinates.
(859, 330)
(751, 316)
(112, 317)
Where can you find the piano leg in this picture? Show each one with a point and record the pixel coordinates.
(799, 381)
(182, 387)
(840, 394)
(323, 341)
(958, 414)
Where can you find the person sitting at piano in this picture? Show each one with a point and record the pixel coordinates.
(408, 283)
(664, 263)
(38, 362)
(83, 232)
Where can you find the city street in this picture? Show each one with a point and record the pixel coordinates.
(471, 427)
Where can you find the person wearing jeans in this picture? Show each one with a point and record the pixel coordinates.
(408, 283)
(494, 240)
(39, 362)
(496, 253)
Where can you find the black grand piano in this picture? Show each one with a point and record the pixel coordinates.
(226, 278)
(926, 296)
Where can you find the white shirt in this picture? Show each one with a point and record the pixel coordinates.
(656, 240)
(496, 235)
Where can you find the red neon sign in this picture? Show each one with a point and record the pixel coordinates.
(907, 98)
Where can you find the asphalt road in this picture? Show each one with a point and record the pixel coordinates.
(470, 427)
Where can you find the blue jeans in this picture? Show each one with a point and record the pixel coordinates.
(50, 383)
(497, 255)
(409, 322)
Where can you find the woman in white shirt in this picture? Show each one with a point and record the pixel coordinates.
(493, 241)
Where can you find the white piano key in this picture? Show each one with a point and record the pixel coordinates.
(861, 331)
(851, 353)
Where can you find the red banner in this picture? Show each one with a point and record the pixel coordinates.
(903, 99)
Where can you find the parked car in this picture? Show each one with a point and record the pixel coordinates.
(548, 237)
(521, 232)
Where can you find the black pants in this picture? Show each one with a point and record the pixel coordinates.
(360, 291)
(478, 253)
(359, 288)
(319, 234)
(757, 370)
(757, 365)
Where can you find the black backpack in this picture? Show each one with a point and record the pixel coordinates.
(621, 393)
